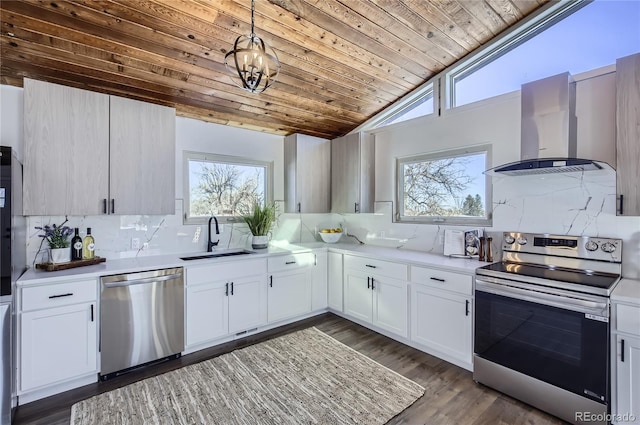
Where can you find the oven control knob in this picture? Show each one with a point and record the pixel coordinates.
(522, 240)
(591, 246)
(508, 239)
(608, 247)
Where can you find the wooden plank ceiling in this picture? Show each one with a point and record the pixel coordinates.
(342, 60)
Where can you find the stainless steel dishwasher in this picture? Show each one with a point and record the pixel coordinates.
(141, 319)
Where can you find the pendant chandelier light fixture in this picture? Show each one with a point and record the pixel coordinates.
(253, 65)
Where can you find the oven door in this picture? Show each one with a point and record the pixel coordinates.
(558, 339)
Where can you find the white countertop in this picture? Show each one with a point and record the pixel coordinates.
(131, 265)
(627, 291)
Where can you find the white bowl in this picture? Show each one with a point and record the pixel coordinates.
(330, 237)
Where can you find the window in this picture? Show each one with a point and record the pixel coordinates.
(421, 105)
(577, 37)
(224, 186)
(445, 187)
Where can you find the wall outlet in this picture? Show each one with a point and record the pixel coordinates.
(135, 243)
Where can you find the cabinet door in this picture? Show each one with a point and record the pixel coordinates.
(247, 303)
(442, 321)
(334, 281)
(358, 296)
(628, 378)
(307, 177)
(142, 153)
(628, 134)
(390, 302)
(57, 344)
(345, 174)
(66, 141)
(289, 294)
(352, 174)
(319, 282)
(207, 312)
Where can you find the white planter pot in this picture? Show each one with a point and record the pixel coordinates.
(260, 242)
(60, 255)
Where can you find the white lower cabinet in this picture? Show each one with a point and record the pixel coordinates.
(224, 299)
(289, 294)
(319, 282)
(628, 380)
(57, 337)
(334, 281)
(291, 286)
(441, 314)
(625, 365)
(441, 320)
(374, 297)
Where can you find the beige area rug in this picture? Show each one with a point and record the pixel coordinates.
(306, 377)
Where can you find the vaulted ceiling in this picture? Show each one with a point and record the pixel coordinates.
(342, 60)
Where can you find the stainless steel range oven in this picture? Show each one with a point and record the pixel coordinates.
(542, 322)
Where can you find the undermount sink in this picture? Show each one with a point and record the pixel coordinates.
(217, 255)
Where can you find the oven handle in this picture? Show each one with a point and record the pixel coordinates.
(599, 309)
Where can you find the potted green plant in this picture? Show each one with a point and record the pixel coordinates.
(260, 222)
(58, 239)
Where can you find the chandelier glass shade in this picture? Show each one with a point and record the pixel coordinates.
(252, 64)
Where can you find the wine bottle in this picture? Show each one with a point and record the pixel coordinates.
(88, 246)
(76, 246)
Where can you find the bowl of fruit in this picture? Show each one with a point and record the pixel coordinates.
(331, 235)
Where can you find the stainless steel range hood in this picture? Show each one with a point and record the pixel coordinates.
(548, 130)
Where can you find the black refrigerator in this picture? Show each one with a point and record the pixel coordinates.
(12, 264)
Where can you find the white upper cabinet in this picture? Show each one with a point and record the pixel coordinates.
(352, 173)
(307, 162)
(66, 161)
(142, 153)
(628, 134)
(88, 153)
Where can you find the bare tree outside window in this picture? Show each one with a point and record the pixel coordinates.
(444, 186)
(224, 188)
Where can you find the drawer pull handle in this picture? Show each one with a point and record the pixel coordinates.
(271, 281)
(622, 350)
(70, 294)
(368, 284)
(466, 310)
(231, 288)
(290, 262)
(622, 205)
(437, 279)
(92, 312)
(104, 206)
(370, 266)
(226, 289)
(372, 287)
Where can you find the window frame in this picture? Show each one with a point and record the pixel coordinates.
(399, 216)
(516, 35)
(225, 159)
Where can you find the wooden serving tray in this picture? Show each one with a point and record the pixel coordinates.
(52, 267)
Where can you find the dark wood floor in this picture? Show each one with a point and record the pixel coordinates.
(451, 397)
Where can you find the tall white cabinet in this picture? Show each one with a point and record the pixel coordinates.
(88, 153)
(307, 168)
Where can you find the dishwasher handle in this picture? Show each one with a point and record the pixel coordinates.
(141, 281)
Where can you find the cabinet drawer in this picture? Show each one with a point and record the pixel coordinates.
(628, 319)
(378, 267)
(57, 295)
(223, 271)
(441, 279)
(292, 261)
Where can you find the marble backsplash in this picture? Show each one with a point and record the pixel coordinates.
(564, 204)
